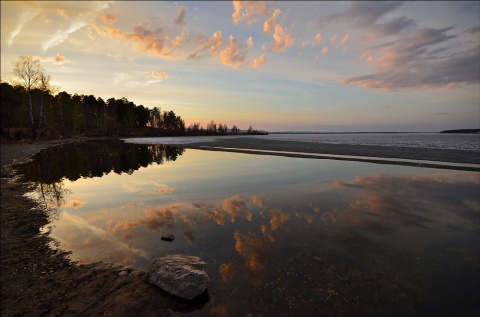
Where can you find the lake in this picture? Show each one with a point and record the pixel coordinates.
(281, 236)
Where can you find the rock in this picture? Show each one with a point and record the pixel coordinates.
(179, 275)
(168, 237)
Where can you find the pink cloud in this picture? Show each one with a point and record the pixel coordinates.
(144, 39)
(246, 10)
(282, 39)
(232, 55)
(259, 61)
(340, 43)
(269, 25)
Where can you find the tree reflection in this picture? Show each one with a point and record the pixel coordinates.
(94, 159)
(49, 168)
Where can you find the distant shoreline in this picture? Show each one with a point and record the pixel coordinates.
(465, 131)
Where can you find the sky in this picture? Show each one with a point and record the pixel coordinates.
(320, 66)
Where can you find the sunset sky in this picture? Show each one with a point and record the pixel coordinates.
(310, 66)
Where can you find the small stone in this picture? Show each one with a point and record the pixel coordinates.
(168, 237)
(316, 258)
(179, 275)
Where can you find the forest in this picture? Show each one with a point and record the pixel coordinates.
(31, 108)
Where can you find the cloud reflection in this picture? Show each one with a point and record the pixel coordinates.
(390, 201)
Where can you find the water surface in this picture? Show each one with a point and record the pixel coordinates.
(281, 236)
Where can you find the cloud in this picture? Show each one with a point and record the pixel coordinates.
(179, 39)
(166, 190)
(317, 39)
(235, 206)
(269, 25)
(246, 10)
(108, 18)
(367, 13)
(161, 75)
(282, 39)
(258, 201)
(213, 44)
(304, 44)
(232, 55)
(259, 61)
(417, 61)
(75, 203)
(118, 78)
(249, 42)
(251, 249)
(152, 218)
(77, 23)
(25, 17)
(62, 13)
(338, 44)
(144, 39)
(382, 204)
(58, 59)
(180, 18)
(393, 27)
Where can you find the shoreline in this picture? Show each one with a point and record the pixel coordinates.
(419, 157)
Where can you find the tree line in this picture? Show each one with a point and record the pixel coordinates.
(32, 107)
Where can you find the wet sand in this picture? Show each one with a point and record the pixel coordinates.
(375, 154)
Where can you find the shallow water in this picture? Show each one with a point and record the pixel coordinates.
(280, 236)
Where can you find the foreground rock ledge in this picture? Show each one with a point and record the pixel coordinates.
(180, 275)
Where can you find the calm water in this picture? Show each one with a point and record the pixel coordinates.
(280, 236)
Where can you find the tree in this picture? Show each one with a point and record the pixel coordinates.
(45, 88)
(235, 129)
(29, 69)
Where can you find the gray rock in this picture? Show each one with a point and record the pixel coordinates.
(179, 275)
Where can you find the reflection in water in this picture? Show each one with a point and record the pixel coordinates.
(325, 237)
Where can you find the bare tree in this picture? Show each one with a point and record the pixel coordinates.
(29, 69)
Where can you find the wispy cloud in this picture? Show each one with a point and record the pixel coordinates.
(144, 39)
(77, 23)
(161, 75)
(25, 16)
(417, 61)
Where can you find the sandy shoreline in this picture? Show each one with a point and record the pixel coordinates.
(375, 154)
(35, 280)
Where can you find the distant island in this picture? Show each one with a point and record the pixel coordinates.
(462, 131)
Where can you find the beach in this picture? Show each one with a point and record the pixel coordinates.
(37, 280)
(422, 157)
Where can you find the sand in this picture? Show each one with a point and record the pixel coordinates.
(425, 157)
